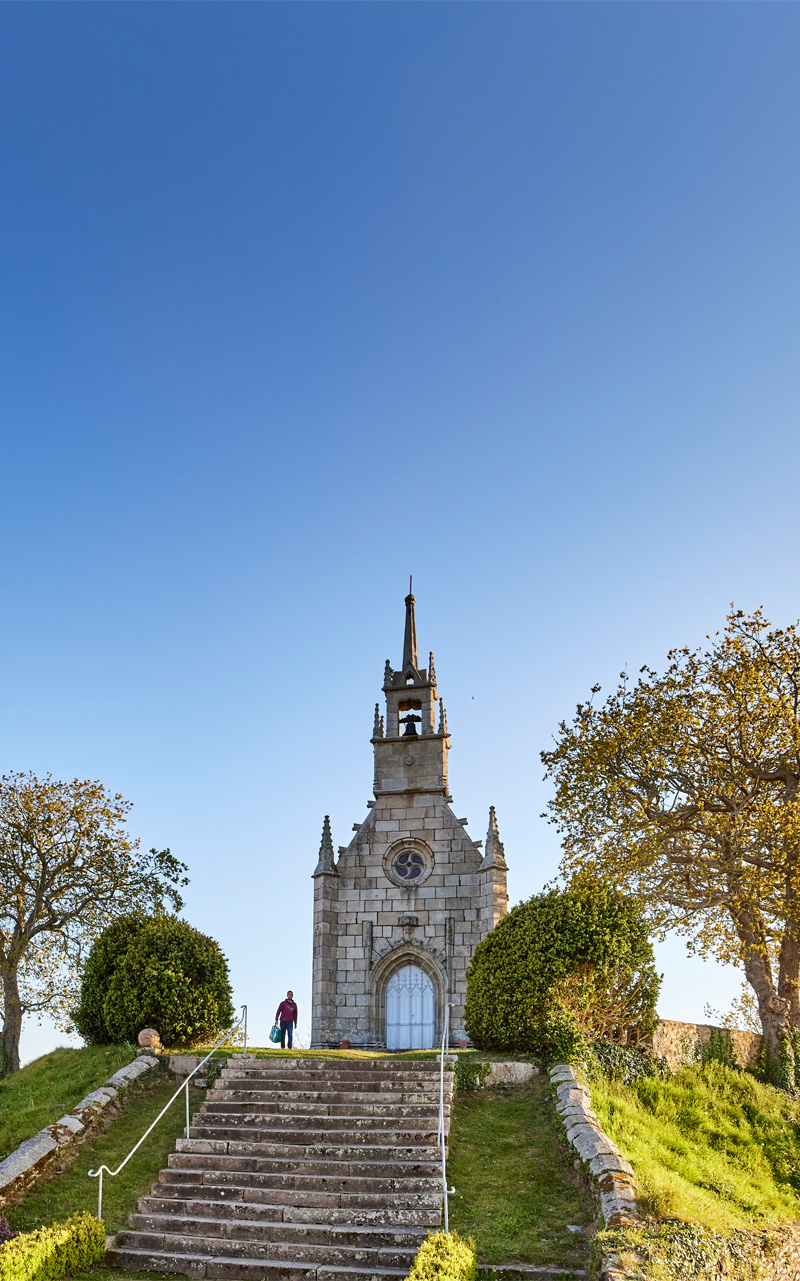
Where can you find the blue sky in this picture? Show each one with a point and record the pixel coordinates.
(299, 299)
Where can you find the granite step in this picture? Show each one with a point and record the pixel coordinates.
(233, 1127)
(193, 1154)
(312, 1118)
(328, 1171)
(293, 1178)
(261, 1229)
(323, 1208)
(300, 1206)
(322, 1151)
(264, 1248)
(268, 1105)
(383, 1098)
(199, 1264)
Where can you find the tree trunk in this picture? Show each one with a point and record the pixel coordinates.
(773, 1009)
(789, 972)
(12, 1025)
(789, 966)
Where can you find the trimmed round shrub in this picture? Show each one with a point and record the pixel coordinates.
(564, 967)
(107, 953)
(158, 972)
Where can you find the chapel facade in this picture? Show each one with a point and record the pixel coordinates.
(399, 914)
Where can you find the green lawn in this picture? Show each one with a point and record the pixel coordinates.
(710, 1146)
(272, 1052)
(516, 1188)
(43, 1091)
(63, 1194)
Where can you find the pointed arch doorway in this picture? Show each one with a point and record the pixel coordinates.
(410, 1010)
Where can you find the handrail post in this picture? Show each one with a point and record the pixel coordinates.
(445, 1040)
(98, 1174)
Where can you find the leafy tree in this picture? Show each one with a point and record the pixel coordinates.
(158, 972)
(564, 966)
(683, 788)
(67, 868)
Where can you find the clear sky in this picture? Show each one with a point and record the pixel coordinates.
(299, 299)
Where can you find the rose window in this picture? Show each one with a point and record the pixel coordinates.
(409, 865)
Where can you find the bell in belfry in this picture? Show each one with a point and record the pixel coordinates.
(410, 730)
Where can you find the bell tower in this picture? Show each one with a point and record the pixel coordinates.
(410, 750)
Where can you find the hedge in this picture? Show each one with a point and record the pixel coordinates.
(565, 967)
(154, 972)
(445, 1257)
(47, 1254)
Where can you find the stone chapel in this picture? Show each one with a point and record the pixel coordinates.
(399, 914)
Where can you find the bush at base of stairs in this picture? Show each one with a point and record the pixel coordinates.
(50, 1253)
(445, 1257)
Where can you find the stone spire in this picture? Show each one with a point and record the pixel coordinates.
(325, 863)
(377, 728)
(494, 855)
(431, 669)
(442, 718)
(410, 639)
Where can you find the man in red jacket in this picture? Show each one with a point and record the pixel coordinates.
(286, 1015)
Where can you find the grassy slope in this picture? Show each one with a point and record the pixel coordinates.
(710, 1146)
(43, 1091)
(516, 1189)
(63, 1194)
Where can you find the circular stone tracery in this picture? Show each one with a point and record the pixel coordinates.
(408, 863)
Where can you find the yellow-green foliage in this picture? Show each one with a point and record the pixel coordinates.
(57, 1251)
(445, 1257)
(710, 1146)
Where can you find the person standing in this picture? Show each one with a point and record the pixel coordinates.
(286, 1015)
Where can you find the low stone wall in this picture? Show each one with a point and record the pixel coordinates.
(609, 1169)
(33, 1158)
(676, 1042)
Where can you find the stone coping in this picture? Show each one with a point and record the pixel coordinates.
(609, 1169)
(27, 1163)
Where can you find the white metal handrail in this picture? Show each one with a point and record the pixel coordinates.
(94, 1174)
(445, 1038)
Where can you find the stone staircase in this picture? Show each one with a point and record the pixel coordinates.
(299, 1169)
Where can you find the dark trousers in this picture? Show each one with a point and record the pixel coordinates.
(286, 1030)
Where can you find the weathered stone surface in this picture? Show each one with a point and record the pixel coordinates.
(614, 1175)
(183, 1064)
(609, 1164)
(677, 1042)
(509, 1074)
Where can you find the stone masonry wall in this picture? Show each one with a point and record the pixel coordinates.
(675, 1042)
(381, 926)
